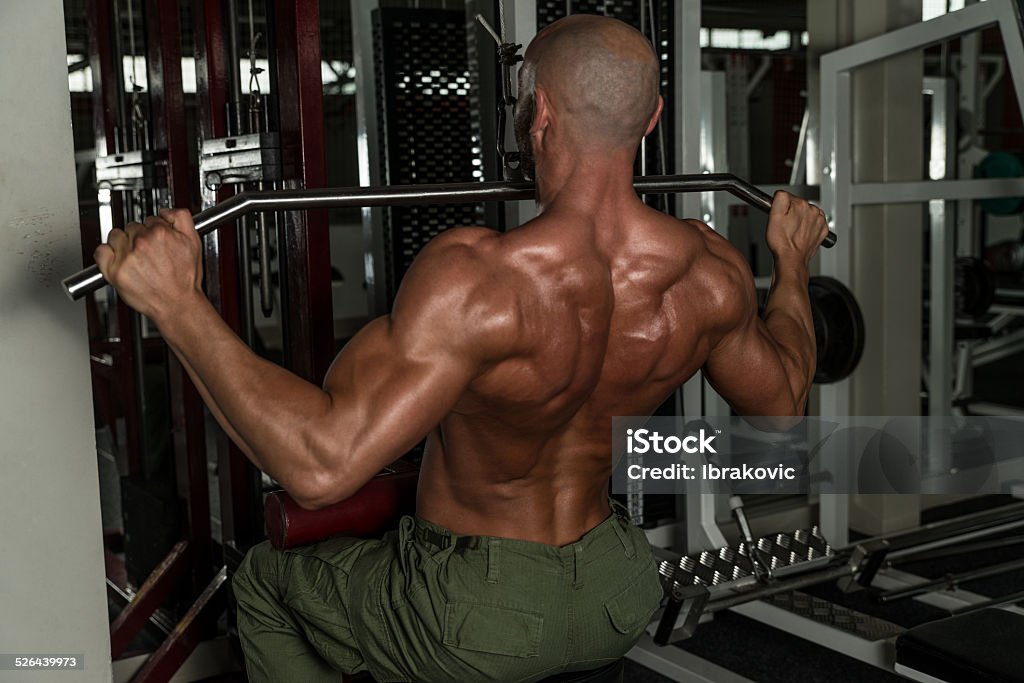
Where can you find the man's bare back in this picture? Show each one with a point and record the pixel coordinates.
(614, 314)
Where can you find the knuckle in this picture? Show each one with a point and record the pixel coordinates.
(172, 216)
(144, 237)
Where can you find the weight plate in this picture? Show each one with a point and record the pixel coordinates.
(838, 329)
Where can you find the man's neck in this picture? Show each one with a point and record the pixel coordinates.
(586, 184)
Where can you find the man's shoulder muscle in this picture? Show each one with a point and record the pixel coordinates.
(465, 246)
(457, 283)
(725, 277)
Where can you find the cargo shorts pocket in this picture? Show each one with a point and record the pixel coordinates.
(492, 629)
(631, 609)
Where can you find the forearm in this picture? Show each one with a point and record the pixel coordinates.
(272, 414)
(787, 316)
(208, 399)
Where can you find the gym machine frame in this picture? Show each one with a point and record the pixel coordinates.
(297, 80)
(168, 143)
(113, 357)
(839, 194)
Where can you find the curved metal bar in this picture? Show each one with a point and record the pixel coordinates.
(90, 279)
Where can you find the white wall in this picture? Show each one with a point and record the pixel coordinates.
(52, 596)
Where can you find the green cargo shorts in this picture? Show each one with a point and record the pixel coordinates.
(424, 604)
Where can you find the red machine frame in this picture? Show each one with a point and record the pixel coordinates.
(307, 307)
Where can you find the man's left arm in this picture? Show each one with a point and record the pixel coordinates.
(389, 387)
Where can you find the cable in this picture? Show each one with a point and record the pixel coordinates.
(138, 121)
(255, 102)
(131, 38)
(252, 28)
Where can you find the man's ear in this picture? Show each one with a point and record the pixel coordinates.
(657, 115)
(541, 112)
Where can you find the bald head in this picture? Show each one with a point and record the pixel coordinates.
(599, 76)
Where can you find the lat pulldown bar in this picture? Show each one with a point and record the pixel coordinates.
(90, 279)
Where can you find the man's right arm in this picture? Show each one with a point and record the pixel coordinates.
(765, 367)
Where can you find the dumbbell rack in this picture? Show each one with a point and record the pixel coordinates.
(712, 580)
(703, 583)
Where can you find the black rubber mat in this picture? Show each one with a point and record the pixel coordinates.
(768, 655)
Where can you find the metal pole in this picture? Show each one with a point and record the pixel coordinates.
(951, 581)
(306, 307)
(188, 421)
(785, 585)
(206, 221)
